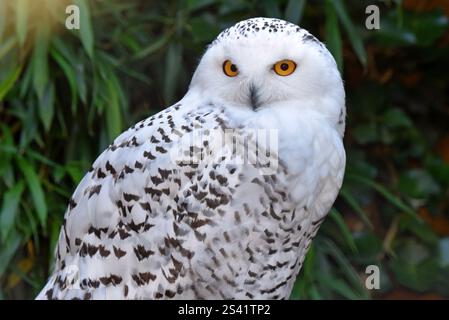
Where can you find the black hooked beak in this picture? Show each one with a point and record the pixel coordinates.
(254, 97)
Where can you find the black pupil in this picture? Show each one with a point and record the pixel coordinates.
(284, 66)
(233, 68)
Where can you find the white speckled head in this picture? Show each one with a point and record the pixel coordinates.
(254, 46)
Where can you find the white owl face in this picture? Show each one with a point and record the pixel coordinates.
(262, 62)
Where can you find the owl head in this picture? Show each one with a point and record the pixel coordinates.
(263, 63)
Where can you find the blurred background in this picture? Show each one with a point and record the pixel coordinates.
(65, 94)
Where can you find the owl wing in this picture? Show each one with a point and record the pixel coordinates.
(140, 217)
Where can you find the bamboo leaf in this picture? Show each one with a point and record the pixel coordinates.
(6, 141)
(46, 106)
(7, 45)
(172, 62)
(40, 60)
(344, 265)
(271, 8)
(81, 83)
(387, 195)
(69, 74)
(113, 112)
(333, 36)
(8, 251)
(26, 80)
(295, 10)
(153, 47)
(35, 155)
(75, 171)
(354, 37)
(355, 206)
(314, 293)
(65, 49)
(10, 80)
(86, 31)
(193, 5)
(21, 20)
(8, 212)
(336, 217)
(35, 188)
(3, 21)
(339, 286)
(32, 225)
(55, 230)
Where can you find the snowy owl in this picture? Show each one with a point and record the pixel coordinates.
(170, 210)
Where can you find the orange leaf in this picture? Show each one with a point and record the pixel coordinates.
(403, 294)
(438, 223)
(24, 266)
(420, 5)
(443, 147)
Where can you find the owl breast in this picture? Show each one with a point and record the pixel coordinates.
(267, 227)
(172, 210)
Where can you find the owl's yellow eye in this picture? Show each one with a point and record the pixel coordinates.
(284, 67)
(230, 69)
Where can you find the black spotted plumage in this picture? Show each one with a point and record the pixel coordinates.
(161, 215)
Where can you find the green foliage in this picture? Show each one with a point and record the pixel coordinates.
(64, 96)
